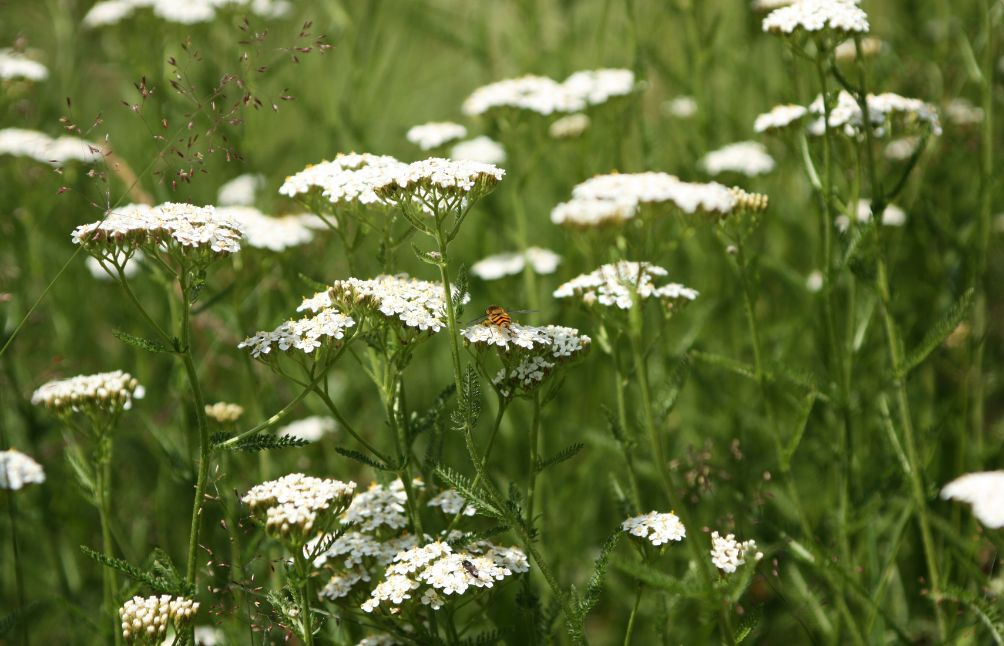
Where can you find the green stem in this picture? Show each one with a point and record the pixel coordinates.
(629, 633)
(18, 573)
(531, 484)
(895, 347)
(480, 469)
(306, 619)
(103, 501)
(202, 423)
(624, 430)
(451, 315)
(699, 556)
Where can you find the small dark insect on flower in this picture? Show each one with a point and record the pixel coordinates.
(473, 571)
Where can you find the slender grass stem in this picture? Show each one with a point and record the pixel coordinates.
(629, 632)
(18, 571)
(102, 495)
(306, 618)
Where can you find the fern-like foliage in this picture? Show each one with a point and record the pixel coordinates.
(563, 455)
(583, 605)
(748, 624)
(264, 442)
(362, 458)
(469, 412)
(482, 499)
(143, 344)
(460, 290)
(431, 418)
(940, 331)
(484, 639)
(986, 610)
(10, 621)
(159, 579)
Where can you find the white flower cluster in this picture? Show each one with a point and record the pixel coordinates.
(780, 117)
(569, 127)
(479, 149)
(445, 572)
(17, 470)
(356, 550)
(844, 16)
(347, 180)
(435, 134)
(892, 216)
(341, 583)
(546, 96)
(39, 146)
(265, 232)
(962, 112)
(616, 197)
(305, 334)
(171, 225)
(109, 392)
(145, 620)
(296, 506)
(400, 299)
(186, 12)
(452, 503)
(728, 554)
(527, 337)
(309, 429)
(224, 412)
(563, 345)
(379, 506)
(984, 491)
(542, 261)
(847, 115)
(240, 191)
(436, 183)
(657, 528)
(379, 640)
(746, 158)
(681, 107)
(15, 65)
(617, 284)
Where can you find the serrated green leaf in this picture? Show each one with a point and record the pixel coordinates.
(263, 442)
(159, 584)
(480, 498)
(940, 331)
(362, 458)
(141, 343)
(564, 454)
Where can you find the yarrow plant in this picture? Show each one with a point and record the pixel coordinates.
(146, 620)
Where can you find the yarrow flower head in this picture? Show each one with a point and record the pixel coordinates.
(240, 191)
(18, 470)
(39, 146)
(15, 65)
(619, 284)
(224, 412)
(431, 573)
(452, 503)
(728, 553)
(569, 127)
(146, 620)
(348, 180)
(410, 303)
(814, 16)
(435, 134)
(309, 429)
(780, 117)
(617, 197)
(887, 109)
(110, 12)
(984, 491)
(270, 233)
(296, 507)
(479, 149)
(440, 185)
(655, 527)
(545, 96)
(513, 336)
(541, 261)
(379, 506)
(746, 158)
(306, 334)
(194, 231)
(106, 392)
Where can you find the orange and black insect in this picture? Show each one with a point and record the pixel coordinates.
(498, 316)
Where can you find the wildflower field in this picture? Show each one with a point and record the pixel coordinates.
(360, 322)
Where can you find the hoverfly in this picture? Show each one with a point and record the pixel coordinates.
(498, 316)
(473, 571)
